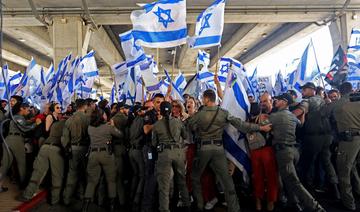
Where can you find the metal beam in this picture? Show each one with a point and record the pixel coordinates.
(35, 37)
(230, 45)
(287, 32)
(187, 55)
(21, 18)
(104, 47)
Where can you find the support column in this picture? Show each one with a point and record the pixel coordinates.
(348, 21)
(67, 37)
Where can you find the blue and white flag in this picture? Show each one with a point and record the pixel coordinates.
(280, 86)
(236, 102)
(175, 93)
(203, 73)
(140, 95)
(151, 82)
(4, 81)
(161, 24)
(120, 73)
(88, 66)
(30, 80)
(209, 26)
(134, 53)
(353, 57)
(180, 82)
(129, 91)
(307, 69)
(254, 89)
(224, 66)
(112, 95)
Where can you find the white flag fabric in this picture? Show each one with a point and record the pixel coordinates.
(147, 70)
(209, 26)
(161, 24)
(30, 80)
(180, 82)
(236, 102)
(265, 85)
(134, 54)
(280, 86)
(353, 56)
(120, 72)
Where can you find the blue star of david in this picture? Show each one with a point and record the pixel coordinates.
(224, 68)
(164, 20)
(138, 48)
(205, 23)
(352, 71)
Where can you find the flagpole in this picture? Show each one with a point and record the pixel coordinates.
(116, 88)
(143, 98)
(173, 64)
(157, 55)
(101, 91)
(317, 64)
(218, 58)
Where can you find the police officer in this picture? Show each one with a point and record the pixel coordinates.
(150, 119)
(136, 138)
(13, 147)
(49, 157)
(101, 157)
(121, 123)
(208, 126)
(317, 136)
(75, 141)
(167, 135)
(347, 115)
(284, 124)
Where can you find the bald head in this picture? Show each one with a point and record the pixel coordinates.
(266, 102)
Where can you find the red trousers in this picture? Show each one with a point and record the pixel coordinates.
(208, 183)
(264, 173)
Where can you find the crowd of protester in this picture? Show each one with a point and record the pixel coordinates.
(145, 157)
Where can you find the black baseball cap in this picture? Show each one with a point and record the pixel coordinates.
(286, 97)
(309, 85)
(90, 100)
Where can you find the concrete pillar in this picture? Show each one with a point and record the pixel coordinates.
(67, 37)
(336, 36)
(348, 21)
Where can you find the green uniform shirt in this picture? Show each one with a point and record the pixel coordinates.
(137, 131)
(21, 126)
(161, 134)
(202, 119)
(56, 131)
(102, 134)
(284, 125)
(120, 122)
(347, 116)
(75, 130)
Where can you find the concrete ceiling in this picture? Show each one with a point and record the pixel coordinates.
(252, 28)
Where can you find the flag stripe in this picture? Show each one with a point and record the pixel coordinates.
(164, 36)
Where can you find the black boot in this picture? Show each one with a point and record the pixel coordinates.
(85, 205)
(112, 205)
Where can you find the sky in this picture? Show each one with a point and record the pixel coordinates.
(282, 60)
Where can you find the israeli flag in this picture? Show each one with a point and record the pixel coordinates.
(88, 66)
(161, 24)
(140, 91)
(307, 69)
(31, 79)
(14, 81)
(49, 73)
(224, 66)
(236, 102)
(175, 93)
(48, 90)
(120, 73)
(203, 73)
(129, 92)
(180, 82)
(254, 85)
(134, 53)
(112, 95)
(280, 86)
(353, 56)
(151, 82)
(209, 26)
(3, 80)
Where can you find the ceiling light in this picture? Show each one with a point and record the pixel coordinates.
(22, 40)
(354, 16)
(245, 50)
(264, 35)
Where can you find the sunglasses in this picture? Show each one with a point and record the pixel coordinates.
(57, 107)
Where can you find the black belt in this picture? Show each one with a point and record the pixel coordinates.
(98, 149)
(172, 146)
(283, 146)
(78, 144)
(18, 134)
(351, 133)
(215, 142)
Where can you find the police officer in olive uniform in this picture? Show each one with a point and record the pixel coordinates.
(284, 124)
(151, 117)
(208, 126)
(13, 147)
(347, 113)
(136, 138)
(167, 135)
(49, 157)
(101, 157)
(317, 136)
(76, 142)
(120, 122)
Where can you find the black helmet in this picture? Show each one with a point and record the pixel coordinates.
(165, 108)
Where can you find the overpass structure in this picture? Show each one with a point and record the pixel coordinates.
(48, 30)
